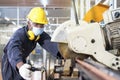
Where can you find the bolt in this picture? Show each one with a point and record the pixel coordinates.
(116, 59)
(117, 63)
(93, 41)
(113, 64)
(118, 68)
(94, 52)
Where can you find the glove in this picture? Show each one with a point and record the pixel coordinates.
(25, 71)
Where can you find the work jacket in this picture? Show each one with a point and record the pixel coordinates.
(17, 50)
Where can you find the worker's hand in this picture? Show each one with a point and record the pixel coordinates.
(25, 71)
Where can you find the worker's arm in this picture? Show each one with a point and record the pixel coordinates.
(14, 50)
(45, 42)
(16, 54)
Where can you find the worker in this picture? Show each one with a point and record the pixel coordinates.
(21, 44)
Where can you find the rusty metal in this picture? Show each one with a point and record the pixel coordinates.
(93, 72)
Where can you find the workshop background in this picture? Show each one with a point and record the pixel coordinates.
(13, 15)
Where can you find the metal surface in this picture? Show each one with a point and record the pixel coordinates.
(95, 13)
(112, 31)
(88, 70)
(92, 72)
(68, 54)
(75, 13)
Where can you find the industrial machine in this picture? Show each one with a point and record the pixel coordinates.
(80, 40)
(91, 40)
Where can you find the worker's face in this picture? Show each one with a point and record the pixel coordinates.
(36, 28)
(37, 25)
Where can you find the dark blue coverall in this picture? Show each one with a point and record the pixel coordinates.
(17, 50)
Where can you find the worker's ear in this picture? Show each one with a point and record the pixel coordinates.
(28, 22)
(29, 25)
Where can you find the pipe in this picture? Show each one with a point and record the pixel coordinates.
(93, 72)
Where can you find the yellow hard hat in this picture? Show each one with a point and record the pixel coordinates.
(37, 15)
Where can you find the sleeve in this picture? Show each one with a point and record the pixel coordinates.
(45, 42)
(14, 50)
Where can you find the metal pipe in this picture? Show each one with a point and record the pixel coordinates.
(93, 72)
(75, 12)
